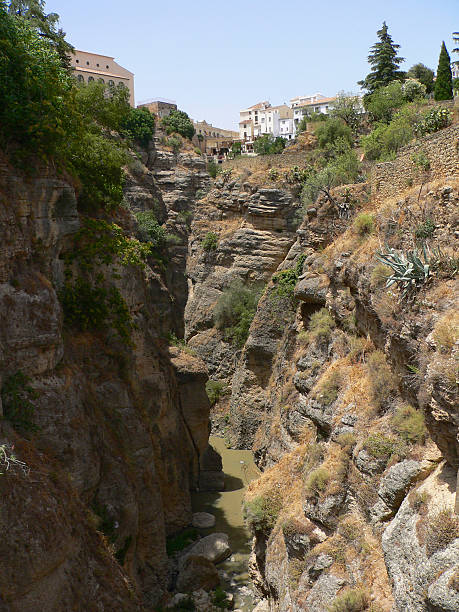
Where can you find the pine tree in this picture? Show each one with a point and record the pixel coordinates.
(384, 61)
(444, 82)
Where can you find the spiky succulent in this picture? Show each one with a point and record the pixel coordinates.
(409, 270)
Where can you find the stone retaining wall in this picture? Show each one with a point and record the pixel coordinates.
(441, 149)
(262, 162)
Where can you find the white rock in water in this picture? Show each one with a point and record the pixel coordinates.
(203, 520)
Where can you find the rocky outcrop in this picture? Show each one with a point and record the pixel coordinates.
(114, 436)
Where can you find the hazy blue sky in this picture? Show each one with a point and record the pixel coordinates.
(214, 57)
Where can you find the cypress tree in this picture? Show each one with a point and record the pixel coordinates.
(384, 61)
(444, 83)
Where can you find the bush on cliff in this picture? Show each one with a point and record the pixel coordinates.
(235, 310)
(178, 122)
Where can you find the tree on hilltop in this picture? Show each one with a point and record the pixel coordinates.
(385, 62)
(444, 82)
(424, 75)
(45, 24)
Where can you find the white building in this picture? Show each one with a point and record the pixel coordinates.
(455, 63)
(249, 121)
(306, 105)
(262, 118)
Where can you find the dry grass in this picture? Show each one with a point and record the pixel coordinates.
(446, 332)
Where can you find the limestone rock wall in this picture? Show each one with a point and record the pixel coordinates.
(118, 431)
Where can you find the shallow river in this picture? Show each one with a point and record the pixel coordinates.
(226, 506)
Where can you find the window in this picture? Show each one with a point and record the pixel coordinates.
(97, 65)
(262, 119)
(80, 78)
(245, 134)
(111, 83)
(106, 67)
(87, 63)
(77, 61)
(245, 126)
(90, 79)
(101, 80)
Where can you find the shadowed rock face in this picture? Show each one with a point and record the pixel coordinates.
(120, 430)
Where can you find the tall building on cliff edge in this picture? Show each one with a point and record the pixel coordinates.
(103, 68)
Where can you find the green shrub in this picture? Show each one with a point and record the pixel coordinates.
(17, 408)
(355, 600)
(178, 122)
(261, 513)
(212, 169)
(235, 310)
(181, 540)
(442, 529)
(91, 306)
(320, 325)
(210, 241)
(384, 447)
(434, 120)
(409, 424)
(150, 230)
(268, 145)
(317, 481)
(98, 162)
(382, 380)
(139, 125)
(286, 280)
(331, 130)
(364, 224)
(215, 390)
(107, 106)
(412, 89)
(174, 142)
(220, 600)
(197, 151)
(382, 104)
(421, 161)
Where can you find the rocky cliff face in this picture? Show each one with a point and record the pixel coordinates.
(97, 433)
(345, 390)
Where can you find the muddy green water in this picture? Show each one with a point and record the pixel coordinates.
(226, 506)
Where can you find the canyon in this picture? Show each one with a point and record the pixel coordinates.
(345, 392)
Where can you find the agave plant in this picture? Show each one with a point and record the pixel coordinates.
(409, 271)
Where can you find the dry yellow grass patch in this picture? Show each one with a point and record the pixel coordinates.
(446, 331)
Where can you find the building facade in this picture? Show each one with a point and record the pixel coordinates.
(261, 119)
(215, 142)
(307, 105)
(455, 63)
(159, 106)
(90, 67)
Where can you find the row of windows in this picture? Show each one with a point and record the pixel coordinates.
(87, 64)
(100, 80)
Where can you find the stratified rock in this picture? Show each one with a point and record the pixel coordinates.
(203, 520)
(197, 572)
(312, 289)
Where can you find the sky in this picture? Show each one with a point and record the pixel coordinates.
(215, 58)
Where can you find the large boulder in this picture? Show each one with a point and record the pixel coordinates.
(197, 572)
(214, 547)
(203, 520)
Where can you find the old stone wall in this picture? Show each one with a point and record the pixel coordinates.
(263, 162)
(440, 149)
